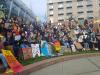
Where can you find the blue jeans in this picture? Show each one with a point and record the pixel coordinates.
(66, 44)
(86, 45)
(4, 61)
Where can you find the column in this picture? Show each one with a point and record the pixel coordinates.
(19, 11)
(11, 4)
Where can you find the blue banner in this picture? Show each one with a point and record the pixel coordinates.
(44, 49)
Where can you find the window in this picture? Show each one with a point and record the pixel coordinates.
(80, 8)
(51, 13)
(89, 11)
(79, 0)
(69, 14)
(50, 2)
(89, 2)
(89, 14)
(60, 6)
(69, 1)
(80, 12)
(69, 4)
(51, 19)
(69, 10)
(80, 3)
(60, 12)
(50, 6)
(61, 17)
(69, 7)
(89, 8)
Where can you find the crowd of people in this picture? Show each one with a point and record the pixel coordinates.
(14, 33)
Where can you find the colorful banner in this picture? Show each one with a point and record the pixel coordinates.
(44, 49)
(12, 61)
(57, 46)
(35, 50)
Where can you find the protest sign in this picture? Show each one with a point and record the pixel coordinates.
(12, 61)
(44, 48)
(57, 46)
(35, 50)
(27, 53)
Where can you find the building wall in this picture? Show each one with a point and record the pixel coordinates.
(60, 10)
(17, 8)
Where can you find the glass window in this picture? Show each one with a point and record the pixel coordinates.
(50, 6)
(50, 2)
(80, 3)
(51, 12)
(61, 17)
(80, 8)
(69, 4)
(89, 8)
(60, 12)
(89, 2)
(60, 5)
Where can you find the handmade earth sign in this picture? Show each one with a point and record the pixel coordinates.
(44, 49)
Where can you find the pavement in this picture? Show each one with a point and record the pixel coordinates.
(80, 66)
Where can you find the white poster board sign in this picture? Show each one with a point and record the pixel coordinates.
(35, 50)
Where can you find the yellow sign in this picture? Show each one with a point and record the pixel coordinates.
(57, 46)
(12, 61)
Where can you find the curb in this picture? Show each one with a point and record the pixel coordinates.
(45, 63)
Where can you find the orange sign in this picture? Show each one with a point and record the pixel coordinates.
(57, 46)
(12, 61)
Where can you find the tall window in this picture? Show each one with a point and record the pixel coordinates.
(60, 5)
(79, 2)
(89, 2)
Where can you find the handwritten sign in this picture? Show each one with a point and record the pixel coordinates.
(35, 50)
(12, 61)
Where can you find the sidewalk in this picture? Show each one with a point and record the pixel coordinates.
(35, 67)
(45, 63)
(83, 66)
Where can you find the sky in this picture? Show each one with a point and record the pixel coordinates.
(38, 7)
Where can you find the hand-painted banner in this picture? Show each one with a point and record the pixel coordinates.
(57, 46)
(12, 61)
(35, 50)
(44, 49)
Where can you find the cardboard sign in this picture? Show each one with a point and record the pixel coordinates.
(57, 46)
(12, 61)
(78, 46)
(27, 53)
(44, 49)
(35, 50)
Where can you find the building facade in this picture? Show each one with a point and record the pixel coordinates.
(60, 10)
(16, 8)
